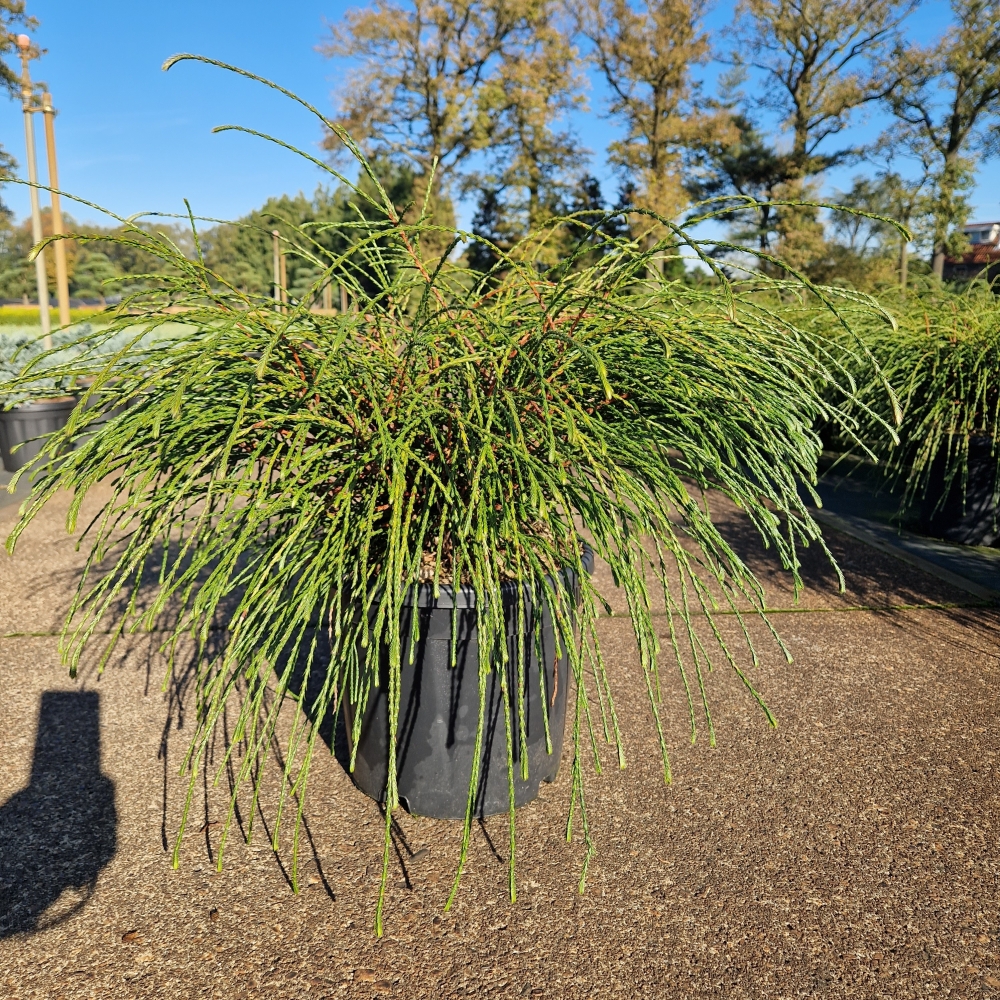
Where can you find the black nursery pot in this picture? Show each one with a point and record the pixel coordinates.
(439, 708)
(29, 422)
(976, 521)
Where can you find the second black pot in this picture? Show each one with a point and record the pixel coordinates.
(439, 710)
(969, 520)
(27, 425)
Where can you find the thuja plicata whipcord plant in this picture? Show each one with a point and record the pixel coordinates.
(943, 358)
(289, 476)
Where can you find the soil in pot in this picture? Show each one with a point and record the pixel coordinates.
(27, 425)
(977, 521)
(439, 710)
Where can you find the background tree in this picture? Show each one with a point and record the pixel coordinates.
(534, 159)
(645, 53)
(820, 61)
(17, 275)
(947, 104)
(93, 275)
(861, 234)
(864, 251)
(241, 252)
(12, 15)
(596, 225)
(418, 95)
(742, 164)
(494, 221)
(908, 199)
(7, 167)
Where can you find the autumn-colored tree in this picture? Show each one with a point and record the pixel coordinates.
(534, 159)
(948, 107)
(645, 52)
(418, 89)
(438, 82)
(819, 62)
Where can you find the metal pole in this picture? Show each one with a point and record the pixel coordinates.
(62, 279)
(276, 267)
(27, 103)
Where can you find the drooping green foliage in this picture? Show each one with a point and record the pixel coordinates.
(292, 476)
(943, 359)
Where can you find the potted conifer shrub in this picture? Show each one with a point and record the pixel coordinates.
(25, 422)
(389, 504)
(942, 354)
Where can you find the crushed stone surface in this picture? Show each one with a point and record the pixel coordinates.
(850, 852)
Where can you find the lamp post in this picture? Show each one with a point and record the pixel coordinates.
(28, 105)
(59, 246)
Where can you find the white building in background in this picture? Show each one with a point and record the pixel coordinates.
(983, 257)
(982, 232)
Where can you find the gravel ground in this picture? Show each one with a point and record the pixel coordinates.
(850, 852)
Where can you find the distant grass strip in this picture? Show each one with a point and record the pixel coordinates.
(28, 315)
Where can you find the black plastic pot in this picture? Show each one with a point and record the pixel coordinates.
(27, 425)
(439, 710)
(974, 522)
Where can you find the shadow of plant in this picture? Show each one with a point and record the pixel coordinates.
(58, 833)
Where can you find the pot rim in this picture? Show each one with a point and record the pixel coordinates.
(466, 596)
(58, 403)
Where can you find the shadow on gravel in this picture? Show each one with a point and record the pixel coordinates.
(57, 834)
(871, 577)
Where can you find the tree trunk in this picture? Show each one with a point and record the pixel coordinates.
(938, 264)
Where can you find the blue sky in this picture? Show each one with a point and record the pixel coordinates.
(136, 139)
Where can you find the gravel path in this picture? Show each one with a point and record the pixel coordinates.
(852, 851)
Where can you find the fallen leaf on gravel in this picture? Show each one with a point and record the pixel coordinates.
(213, 914)
(129, 936)
(383, 986)
(364, 975)
(419, 855)
(995, 983)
